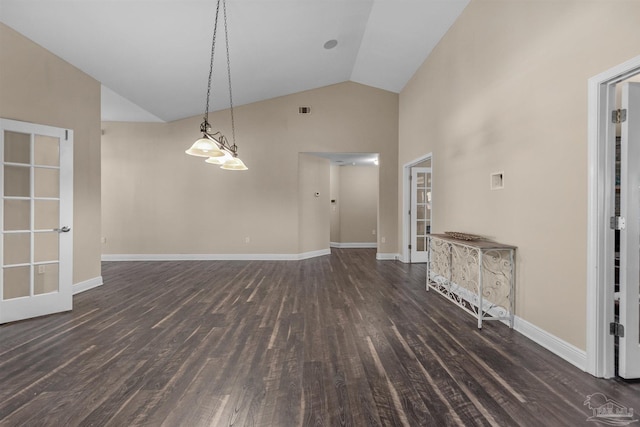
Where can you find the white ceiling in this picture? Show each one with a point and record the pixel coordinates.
(152, 56)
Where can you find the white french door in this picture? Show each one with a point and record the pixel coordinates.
(36, 215)
(629, 340)
(420, 213)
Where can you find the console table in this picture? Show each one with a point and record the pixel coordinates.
(478, 276)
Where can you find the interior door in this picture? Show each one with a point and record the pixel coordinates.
(420, 213)
(36, 213)
(629, 341)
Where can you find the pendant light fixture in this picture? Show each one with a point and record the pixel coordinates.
(215, 145)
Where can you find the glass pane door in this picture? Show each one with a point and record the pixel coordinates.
(33, 206)
(420, 212)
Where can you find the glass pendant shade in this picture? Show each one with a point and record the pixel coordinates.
(204, 147)
(215, 145)
(220, 160)
(234, 164)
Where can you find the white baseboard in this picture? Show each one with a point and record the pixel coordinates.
(400, 257)
(215, 257)
(86, 285)
(386, 257)
(313, 254)
(559, 347)
(353, 245)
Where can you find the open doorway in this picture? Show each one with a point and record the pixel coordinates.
(613, 306)
(353, 199)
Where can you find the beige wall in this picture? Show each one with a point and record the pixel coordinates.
(38, 87)
(158, 200)
(313, 215)
(506, 90)
(357, 200)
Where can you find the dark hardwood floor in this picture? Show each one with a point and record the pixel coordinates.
(336, 340)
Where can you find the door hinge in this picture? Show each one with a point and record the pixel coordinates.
(616, 329)
(409, 246)
(619, 116)
(617, 223)
(66, 135)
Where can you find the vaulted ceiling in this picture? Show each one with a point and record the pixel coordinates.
(152, 56)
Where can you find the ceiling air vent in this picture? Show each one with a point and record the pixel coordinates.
(304, 110)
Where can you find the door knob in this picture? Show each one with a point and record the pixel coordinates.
(64, 229)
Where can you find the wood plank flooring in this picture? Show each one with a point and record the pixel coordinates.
(339, 340)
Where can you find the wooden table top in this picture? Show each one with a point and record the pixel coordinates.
(479, 244)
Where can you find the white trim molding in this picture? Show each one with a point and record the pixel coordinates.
(353, 245)
(557, 346)
(386, 257)
(215, 257)
(403, 259)
(86, 285)
(600, 357)
(312, 254)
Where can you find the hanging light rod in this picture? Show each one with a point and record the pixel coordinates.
(215, 145)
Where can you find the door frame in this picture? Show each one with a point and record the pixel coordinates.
(600, 358)
(405, 255)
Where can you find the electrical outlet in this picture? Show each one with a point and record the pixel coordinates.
(247, 239)
(41, 269)
(373, 232)
(383, 239)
